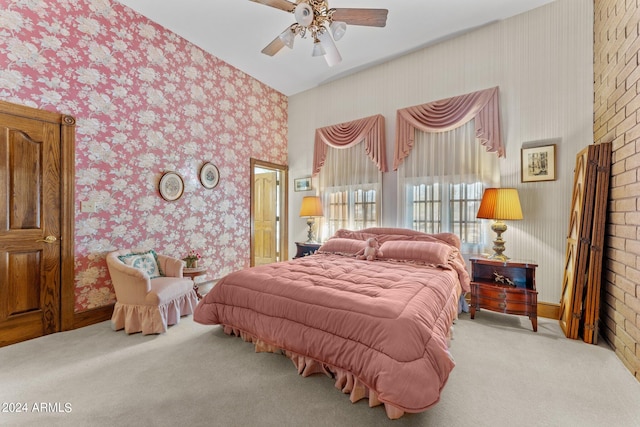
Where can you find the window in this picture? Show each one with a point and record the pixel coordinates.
(353, 209)
(426, 202)
(350, 188)
(441, 184)
(365, 209)
(463, 201)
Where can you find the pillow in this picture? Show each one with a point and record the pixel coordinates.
(340, 246)
(426, 252)
(343, 233)
(385, 234)
(145, 261)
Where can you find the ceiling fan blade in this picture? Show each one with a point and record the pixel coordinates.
(367, 17)
(285, 5)
(273, 47)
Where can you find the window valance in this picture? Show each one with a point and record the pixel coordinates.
(369, 130)
(448, 114)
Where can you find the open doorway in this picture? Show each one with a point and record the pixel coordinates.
(269, 184)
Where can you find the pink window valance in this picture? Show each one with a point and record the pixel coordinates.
(448, 114)
(369, 130)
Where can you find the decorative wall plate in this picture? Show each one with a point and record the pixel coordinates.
(171, 186)
(209, 175)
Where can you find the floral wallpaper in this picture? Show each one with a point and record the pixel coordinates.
(146, 101)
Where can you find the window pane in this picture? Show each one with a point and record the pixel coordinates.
(338, 211)
(464, 203)
(365, 209)
(426, 208)
(355, 209)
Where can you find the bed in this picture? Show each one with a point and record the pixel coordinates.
(379, 328)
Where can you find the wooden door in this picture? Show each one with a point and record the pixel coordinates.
(269, 201)
(30, 228)
(265, 217)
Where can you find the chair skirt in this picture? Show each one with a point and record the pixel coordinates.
(153, 319)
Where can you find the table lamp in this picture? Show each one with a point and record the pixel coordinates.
(311, 208)
(500, 204)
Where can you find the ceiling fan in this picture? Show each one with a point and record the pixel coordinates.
(324, 25)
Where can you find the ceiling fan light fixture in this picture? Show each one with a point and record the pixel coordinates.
(325, 25)
(338, 28)
(288, 37)
(332, 56)
(318, 49)
(303, 14)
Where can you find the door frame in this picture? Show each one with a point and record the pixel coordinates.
(284, 203)
(67, 202)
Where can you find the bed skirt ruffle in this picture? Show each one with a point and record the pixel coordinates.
(150, 319)
(345, 381)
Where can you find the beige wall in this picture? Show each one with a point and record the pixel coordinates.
(617, 120)
(543, 63)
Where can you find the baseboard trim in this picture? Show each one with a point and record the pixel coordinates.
(93, 316)
(549, 310)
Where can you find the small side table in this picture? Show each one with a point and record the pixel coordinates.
(192, 273)
(505, 287)
(304, 249)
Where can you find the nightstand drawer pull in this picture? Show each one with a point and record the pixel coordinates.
(502, 305)
(502, 295)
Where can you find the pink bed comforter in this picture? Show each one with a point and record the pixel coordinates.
(386, 323)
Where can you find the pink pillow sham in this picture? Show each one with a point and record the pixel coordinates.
(355, 235)
(387, 234)
(341, 246)
(426, 252)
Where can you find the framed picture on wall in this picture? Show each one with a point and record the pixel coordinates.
(171, 186)
(209, 175)
(539, 163)
(302, 184)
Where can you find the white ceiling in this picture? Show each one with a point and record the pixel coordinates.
(237, 30)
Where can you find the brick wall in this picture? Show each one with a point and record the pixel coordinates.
(617, 120)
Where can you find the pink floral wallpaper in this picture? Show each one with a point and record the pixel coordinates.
(146, 101)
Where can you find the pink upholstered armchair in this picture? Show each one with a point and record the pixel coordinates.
(151, 292)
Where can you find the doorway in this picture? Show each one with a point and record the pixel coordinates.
(268, 212)
(36, 222)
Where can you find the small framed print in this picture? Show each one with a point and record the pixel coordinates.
(539, 163)
(171, 186)
(209, 175)
(302, 184)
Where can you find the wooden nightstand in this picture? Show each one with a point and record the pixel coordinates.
(304, 249)
(506, 287)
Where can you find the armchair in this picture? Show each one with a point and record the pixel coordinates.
(151, 292)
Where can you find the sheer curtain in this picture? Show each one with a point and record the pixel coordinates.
(445, 158)
(350, 186)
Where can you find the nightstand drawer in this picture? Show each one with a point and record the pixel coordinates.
(493, 292)
(505, 306)
(504, 294)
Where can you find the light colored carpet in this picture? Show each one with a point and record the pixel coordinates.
(194, 375)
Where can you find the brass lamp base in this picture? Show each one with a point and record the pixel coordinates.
(499, 227)
(310, 237)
